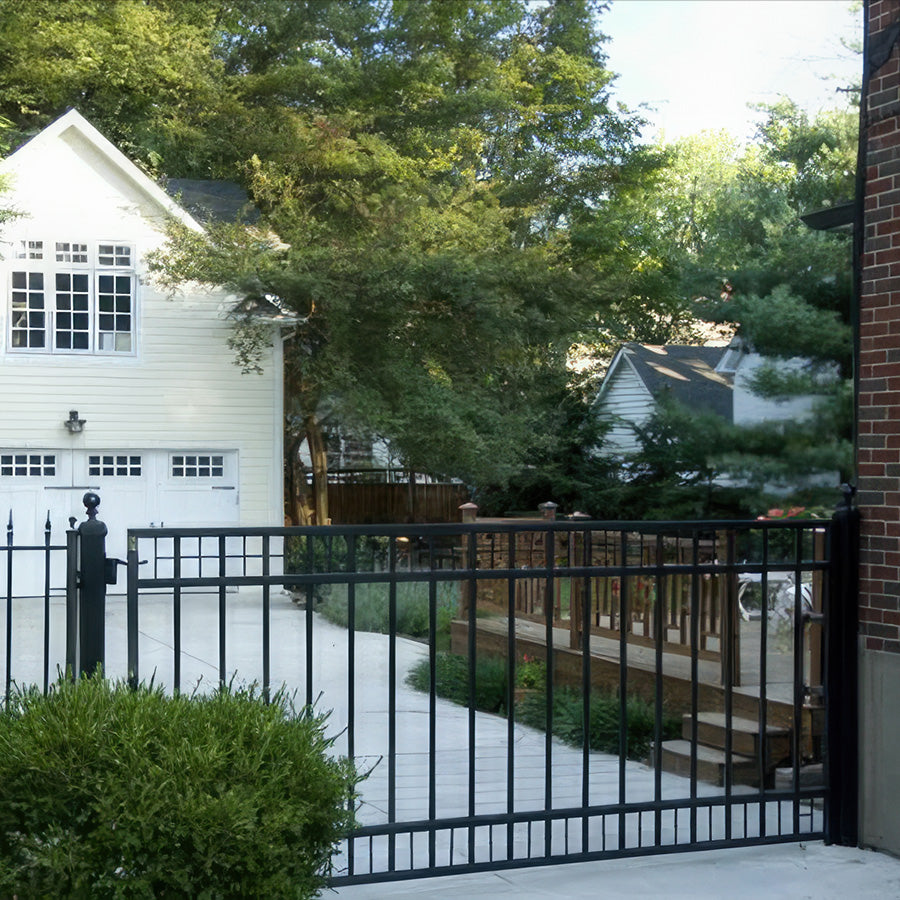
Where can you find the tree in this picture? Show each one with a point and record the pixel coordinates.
(727, 242)
(421, 165)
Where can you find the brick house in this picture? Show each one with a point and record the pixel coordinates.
(878, 455)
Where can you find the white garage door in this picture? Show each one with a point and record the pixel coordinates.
(137, 489)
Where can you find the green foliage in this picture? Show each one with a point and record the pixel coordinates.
(531, 673)
(452, 680)
(421, 164)
(412, 610)
(603, 721)
(783, 325)
(141, 72)
(491, 695)
(111, 792)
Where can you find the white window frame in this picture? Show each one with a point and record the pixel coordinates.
(70, 291)
(28, 464)
(107, 464)
(193, 466)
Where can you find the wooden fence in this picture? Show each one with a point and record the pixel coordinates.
(366, 503)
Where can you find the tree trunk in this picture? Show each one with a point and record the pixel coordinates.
(316, 442)
(305, 505)
(300, 506)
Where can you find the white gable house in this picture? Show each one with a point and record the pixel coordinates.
(106, 383)
(704, 378)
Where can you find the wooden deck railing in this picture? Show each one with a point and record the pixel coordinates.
(596, 601)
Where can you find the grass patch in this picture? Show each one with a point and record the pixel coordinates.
(491, 695)
(111, 792)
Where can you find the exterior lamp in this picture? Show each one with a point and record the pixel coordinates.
(73, 423)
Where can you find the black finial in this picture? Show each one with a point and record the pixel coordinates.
(849, 492)
(91, 502)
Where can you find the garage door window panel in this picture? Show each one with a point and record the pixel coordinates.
(27, 465)
(120, 465)
(197, 465)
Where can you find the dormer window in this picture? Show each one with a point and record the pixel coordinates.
(72, 296)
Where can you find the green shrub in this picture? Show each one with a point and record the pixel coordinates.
(531, 673)
(491, 684)
(310, 554)
(109, 792)
(568, 721)
(452, 680)
(371, 608)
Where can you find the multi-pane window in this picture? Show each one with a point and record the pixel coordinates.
(28, 310)
(28, 250)
(114, 300)
(197, 466)
(81, 300)
(114, 464)
(67, 252)
(73, 317)
(114, 255)
(27, 464)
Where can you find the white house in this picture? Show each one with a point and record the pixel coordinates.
(105, 382)
(708, 379)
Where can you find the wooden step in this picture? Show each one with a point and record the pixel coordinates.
(745, 738)
(676, 758)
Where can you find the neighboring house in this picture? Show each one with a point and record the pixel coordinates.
(105, 382)
(706, 379)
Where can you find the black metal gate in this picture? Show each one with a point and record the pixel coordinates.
(573, 690)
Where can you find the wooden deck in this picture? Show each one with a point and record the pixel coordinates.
(491, 638)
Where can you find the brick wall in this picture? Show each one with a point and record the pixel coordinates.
(879, 350)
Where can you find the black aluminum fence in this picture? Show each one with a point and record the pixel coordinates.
(32, 576)
(526, 740)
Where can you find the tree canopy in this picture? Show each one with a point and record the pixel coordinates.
(417, 165)
(449, 197)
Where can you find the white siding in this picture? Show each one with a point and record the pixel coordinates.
(180, 390)
(750, 408)
(625, 402)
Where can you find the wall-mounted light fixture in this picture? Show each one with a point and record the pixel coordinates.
(73, 423)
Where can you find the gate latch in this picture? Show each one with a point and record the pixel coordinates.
(111, 568)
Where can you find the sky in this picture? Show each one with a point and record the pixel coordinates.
(699, 62)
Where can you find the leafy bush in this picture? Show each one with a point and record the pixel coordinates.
(309, 554)
(371, 608)
(109, 792)
(568, 721)
(531, 673)
(452, 680)
(491, 684)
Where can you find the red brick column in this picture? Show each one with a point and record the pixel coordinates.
(879, 340)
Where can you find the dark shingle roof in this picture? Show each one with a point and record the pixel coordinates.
(687, 374)
(215, 201)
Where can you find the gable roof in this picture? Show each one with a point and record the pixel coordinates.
(685, 373)
(74, 122)
(216, 201)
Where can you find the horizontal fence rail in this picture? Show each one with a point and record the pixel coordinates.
(520, 693)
